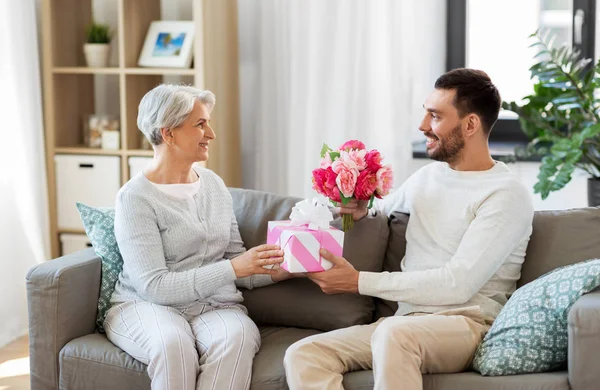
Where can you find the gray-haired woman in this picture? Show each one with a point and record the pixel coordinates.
(176, 307)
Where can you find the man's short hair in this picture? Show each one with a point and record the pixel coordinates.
(475, 93)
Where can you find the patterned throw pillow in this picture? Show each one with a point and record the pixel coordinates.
(530, 333)
(99, 225)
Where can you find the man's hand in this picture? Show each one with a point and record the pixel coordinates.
(341, 278)
(358, 208)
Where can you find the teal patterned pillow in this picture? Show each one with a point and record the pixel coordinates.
(99, 225)
(530, 333)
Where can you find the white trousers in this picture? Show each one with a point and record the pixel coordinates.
(199, 348)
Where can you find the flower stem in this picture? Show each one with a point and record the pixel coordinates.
(347, 222)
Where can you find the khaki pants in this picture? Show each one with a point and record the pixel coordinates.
(398, 350)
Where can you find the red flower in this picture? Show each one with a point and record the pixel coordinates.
(373, 159)
(324, 182)
(365, 185)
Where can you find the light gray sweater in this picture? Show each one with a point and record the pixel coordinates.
(174, 258)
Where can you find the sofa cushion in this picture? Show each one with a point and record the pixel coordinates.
(99, 224)
(300, 302)
(93, 362)
(363, 380)
(268, 372)
(394, 254)
(530, 333)
(561, 238)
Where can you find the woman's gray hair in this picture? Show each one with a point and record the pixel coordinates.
(168, 106)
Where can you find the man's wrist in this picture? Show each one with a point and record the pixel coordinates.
(356, 279)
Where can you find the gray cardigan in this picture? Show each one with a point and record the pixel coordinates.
(173, 258)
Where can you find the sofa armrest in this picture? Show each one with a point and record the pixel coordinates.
(584, 342)
(62, 300)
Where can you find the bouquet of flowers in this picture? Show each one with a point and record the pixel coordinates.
(352, 172)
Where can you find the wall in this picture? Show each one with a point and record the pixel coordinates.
(572, 196)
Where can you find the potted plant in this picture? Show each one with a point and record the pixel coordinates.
(561, 118)
(97, 46)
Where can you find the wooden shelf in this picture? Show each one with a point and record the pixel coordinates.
(140, 153)
(72, 90)
(161, 71)
(71, 231)
(85, 70)
(80, 149)
(117, 71)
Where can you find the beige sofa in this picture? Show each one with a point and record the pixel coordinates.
(68, 353)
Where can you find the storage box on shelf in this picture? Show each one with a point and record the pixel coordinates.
(93, 180)
(71, 243)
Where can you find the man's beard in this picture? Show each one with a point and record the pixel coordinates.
(448, 149)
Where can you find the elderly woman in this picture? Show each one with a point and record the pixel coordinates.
(176, 307)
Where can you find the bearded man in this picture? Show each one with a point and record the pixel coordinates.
(470, 223)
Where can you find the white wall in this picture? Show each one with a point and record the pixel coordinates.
(572, 196)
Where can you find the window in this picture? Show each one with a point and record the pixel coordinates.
(492, 35)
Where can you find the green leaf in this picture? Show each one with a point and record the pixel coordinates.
(591, 131)
(334, 155)
(344, 199)
(567, 99)
(569, 106)
(324, 149)
(561, 149)
(371, 202)
(562, 85)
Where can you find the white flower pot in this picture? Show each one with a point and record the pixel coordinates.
(96, 54)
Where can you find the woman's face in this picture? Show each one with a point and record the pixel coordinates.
(191, 140)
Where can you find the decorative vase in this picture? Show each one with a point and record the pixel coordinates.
(594, 191)
(96, 54)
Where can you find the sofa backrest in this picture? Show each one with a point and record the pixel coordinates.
(560, 238)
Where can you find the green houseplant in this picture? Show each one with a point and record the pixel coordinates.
(561, 117)
(97, 46)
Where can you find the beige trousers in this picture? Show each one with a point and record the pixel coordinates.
(398, 350)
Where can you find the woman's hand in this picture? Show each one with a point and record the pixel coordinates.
(252, 261)
(282, 274)
(358, 208)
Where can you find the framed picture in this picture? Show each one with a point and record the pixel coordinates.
(168, 44)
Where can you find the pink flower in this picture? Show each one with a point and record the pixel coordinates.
(373, 160)
(354, 159)
(357, 157)
(385, 181)
(326, 161)
(343, 162)
(365, 185)
(346, 181)
(352, 144)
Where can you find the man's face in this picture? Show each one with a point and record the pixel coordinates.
(442, 127)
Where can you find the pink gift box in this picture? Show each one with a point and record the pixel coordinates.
(301, 245)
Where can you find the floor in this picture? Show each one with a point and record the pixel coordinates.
(14, 365)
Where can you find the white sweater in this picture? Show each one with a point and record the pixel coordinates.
(466, 240)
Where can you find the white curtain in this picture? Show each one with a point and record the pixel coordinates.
(314, 71)
(24, 237)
